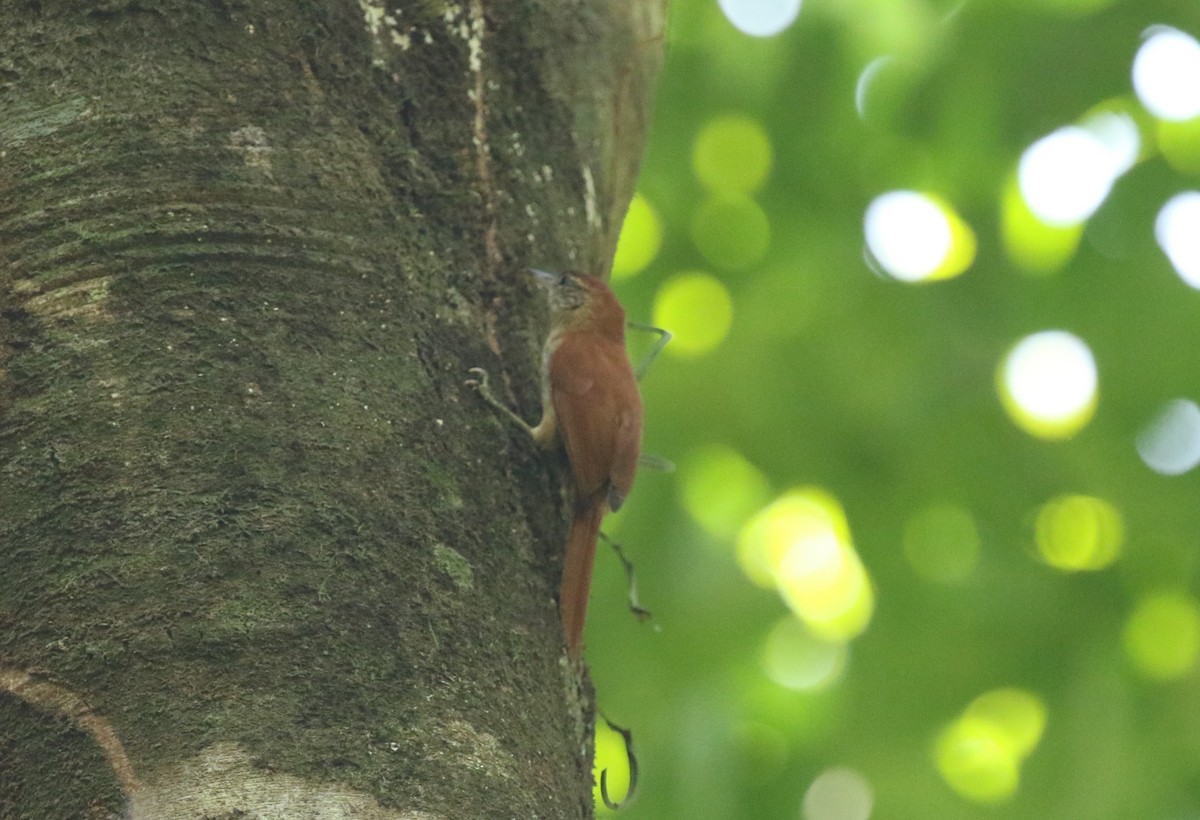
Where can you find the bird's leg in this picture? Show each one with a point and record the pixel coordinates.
(649, 461)
(635, 606)
(664, 336)
(485, 392)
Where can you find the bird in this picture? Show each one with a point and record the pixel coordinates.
(591, 404)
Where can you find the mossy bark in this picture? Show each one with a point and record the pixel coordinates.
(261, 553)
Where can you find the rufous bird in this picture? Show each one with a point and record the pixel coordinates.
(590, 402)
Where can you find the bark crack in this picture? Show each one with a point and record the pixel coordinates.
(70, 705)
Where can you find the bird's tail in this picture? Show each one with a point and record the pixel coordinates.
(577, 572)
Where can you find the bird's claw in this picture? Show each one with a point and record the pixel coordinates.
(480, 384)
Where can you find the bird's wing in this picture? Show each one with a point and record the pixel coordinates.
(599, 414)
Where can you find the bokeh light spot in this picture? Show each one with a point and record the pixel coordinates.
(721, 489)
(941, 543)
(731, 231)
(1079, 532)
(794, 658)
(1065, 176)
(801, 544)
(1162, 635)
(1179, 143)
(761, 18)
(1019, 717)
(1118, 132)
(697, 308)
(962, 246)
(732, 155)
(640, 240)
(973, 761)
(804, 513)
(916, 237)
(838, 793)
(1170, 443)
(1166, 74)
(864, 86)
(980, 754)
(610, 755)
(1030, 243)
(907, 233)
(1048, 384)
(1177, 229)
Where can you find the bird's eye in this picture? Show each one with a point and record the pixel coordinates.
(564, 281)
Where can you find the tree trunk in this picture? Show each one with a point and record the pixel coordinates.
(261, 553)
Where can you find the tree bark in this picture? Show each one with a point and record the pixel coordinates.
(261, 553)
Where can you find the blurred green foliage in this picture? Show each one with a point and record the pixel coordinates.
(1030, 649)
